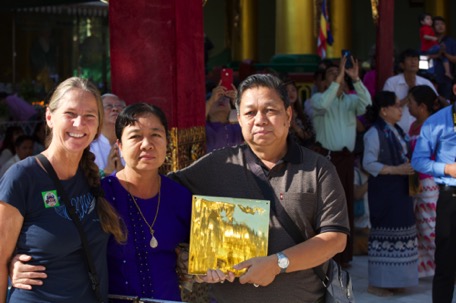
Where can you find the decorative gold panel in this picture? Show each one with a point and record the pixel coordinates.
(227, 231)
(184, 147)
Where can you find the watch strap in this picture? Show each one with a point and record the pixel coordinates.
(280, 256)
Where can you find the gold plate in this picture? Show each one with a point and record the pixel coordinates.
(226, 231)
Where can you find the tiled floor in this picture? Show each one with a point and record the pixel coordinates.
(358, 271)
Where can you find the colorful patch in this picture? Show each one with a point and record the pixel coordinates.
(50, 198)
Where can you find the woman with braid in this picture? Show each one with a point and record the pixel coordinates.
(33, 217)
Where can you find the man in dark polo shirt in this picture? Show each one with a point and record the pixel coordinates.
(305, 183)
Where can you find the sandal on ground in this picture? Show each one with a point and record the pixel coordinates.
(381, 292)
(399, 290)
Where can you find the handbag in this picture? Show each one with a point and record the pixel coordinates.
(72, 213)
(336, 280)
(339, 288)
(415, 187)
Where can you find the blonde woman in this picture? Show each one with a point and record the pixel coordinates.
(33, 217)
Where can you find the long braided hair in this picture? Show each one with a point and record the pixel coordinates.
(110, 220)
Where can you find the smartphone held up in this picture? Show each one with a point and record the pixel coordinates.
(226, 76)
(347, 54)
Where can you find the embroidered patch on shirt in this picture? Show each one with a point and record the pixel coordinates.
(50, 198)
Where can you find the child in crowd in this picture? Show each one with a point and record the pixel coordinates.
(429, 42)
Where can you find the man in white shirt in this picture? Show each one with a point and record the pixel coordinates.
(403, 82)
(334, 120)
(107, 155)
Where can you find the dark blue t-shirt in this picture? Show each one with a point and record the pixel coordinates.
(444, 83)
(50, 236)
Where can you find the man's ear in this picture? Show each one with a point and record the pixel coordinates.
(289, 113)
(119, 145)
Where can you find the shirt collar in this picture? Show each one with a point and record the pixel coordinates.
(293, 154)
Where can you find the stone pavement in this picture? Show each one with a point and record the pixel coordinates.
(418, 294)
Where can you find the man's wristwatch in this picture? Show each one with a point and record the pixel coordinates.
(282, 261)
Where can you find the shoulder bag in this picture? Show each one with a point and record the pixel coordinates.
(73, 215)
(338, 284)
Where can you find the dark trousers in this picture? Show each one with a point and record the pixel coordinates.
(344, 161)
(445, 242)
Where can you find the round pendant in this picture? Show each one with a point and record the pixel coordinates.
(153, 242)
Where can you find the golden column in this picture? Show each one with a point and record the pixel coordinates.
(340, 18)
(295, 27)
(438, 8)
(244, 21)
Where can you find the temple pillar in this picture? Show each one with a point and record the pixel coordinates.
(245, 30)
(295, 27)
(341, 27)
(157, 57)
(385, 41)
(438, 8)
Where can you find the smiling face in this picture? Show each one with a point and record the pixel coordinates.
(263, 118)
(75, 121)
(143, 144)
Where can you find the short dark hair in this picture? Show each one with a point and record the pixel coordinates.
(381, 99)
(422, 16)
(438, 18)
(319, 73)
(263, 80)
(21, 139)
(408, 53)
(130, 114)
(424, 94)
(329, 66)
(452, 95)
(8, 142)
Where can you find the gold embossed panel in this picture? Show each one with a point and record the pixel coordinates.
(184, 147)
(227, 231)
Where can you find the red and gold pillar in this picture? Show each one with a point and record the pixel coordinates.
(385, 41)
(157, 57)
